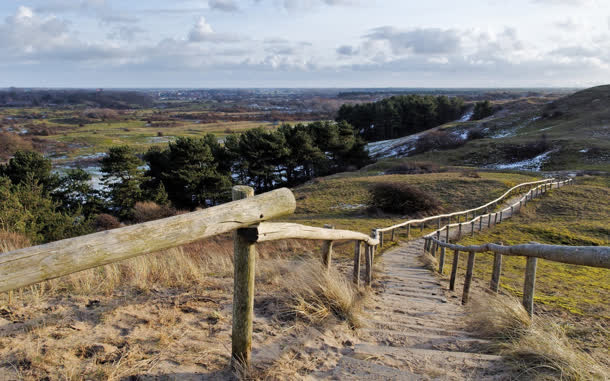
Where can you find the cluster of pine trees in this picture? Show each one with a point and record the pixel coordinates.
(187, 174)
(199, 172)
(399, 116)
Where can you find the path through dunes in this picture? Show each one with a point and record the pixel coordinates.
(415, 327)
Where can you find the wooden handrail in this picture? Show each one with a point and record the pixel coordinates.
(273, 231)
(593, 256)
(31, 265)
(423, 220)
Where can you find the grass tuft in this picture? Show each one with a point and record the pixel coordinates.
(316, 294)
(535, 348)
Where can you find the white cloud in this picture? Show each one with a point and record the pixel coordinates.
(223, 5)
(203, 32)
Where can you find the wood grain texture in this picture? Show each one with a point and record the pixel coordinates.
(23, 267)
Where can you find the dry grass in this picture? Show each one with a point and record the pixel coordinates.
(315, 294)
(430, 262)
(535, 348)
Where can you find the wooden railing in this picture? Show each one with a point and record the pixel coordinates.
(379, 233)
(246, 216)
(594, 256)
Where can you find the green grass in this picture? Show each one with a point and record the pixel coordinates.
(574, 215)
(341, 200)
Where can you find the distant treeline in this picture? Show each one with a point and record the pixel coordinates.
(90, 98)
(399, 116)
(190, 173)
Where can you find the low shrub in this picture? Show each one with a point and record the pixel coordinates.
(106, 222)
(401, 198)
(472, 173)
(439, 139)
(415, 168)
(149, 211)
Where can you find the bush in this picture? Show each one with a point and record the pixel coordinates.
(149, 211)
(476, 133)
(415, 167)
(106, 222)
(438, 139)
(528, 150)
(472, 173)
(402, 198)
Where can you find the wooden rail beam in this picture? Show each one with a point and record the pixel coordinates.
(31, 265)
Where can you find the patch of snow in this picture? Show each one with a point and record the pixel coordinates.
(393, 147)
(535, 118)
(466, 117)
(533, 164)
(159, 139)
(505, 134)
(584, 150)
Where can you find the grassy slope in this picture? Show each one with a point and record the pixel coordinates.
(582, 123)
(579, 295)
(340, 200)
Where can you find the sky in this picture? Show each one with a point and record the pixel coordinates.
(304, 43)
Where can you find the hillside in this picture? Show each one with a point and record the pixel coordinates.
(570, 133)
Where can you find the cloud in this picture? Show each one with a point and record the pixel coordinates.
(203, 32)
(568, 24)
(418, 41)
(100, 9)
(560, 2)
(310, 4)
(347, 50)
(223, 5)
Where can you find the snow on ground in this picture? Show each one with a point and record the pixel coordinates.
(466, 117)
(533, 164)
(349, 206)
(393, 147)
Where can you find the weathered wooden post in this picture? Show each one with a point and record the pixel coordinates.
(459, 218)
(392, 237)
(441, 261)
(468, 279)
(459, 231)
(380, 239)
(438, 224)
(480, 223)
(520, 205)
(327, 250)
(496, 218)
(243, 289)
(472, 229)
(456, 260)
(357, 255)
(447, 235)
(530, 284)
(497, 271)
(368, 265)
(488, 220)
(501, 215)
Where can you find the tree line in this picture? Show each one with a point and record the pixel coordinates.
(399, 116)
(189, 173)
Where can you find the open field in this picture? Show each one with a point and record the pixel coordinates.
(67, 135)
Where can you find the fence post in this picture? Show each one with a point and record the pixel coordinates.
(243, 289)
(380, 239)
(496, 218)
(447, 235)
(441, 261)
(327, 250)
(438, 224)
(392, 237)
(472, 229)
(530, 284)
(468, 279)
(456, 260)
(497, 270)
(357, 255)
(408, 231)
(459, 232)
(480, 223)
(368, 266)
(501, 215)
(488, 220)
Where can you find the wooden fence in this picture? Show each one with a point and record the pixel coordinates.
(246, 216)
(435, 242)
